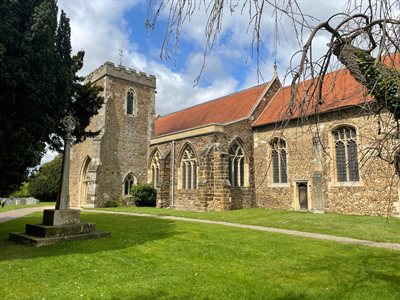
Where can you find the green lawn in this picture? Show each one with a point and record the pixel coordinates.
(12, 207)
(148, 258)
(362, 227)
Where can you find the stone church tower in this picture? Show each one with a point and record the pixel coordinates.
(105, 167)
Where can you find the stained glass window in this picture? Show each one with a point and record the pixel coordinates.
(236, 164)
(346, 154)
(279, 161)
(189, 169)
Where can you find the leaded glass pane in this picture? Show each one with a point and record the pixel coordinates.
(230, 170)
(241, 171)
(189, 174)
(275, 166)
(283, 167)
(126, 192)
(153, 174)
(129, 103)
(156, 179)
(184, 175)
(235, 172)
(341, 162)
(353, 161)
(194, 175)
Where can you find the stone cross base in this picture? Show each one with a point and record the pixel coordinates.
(57, 217)
(58, 226)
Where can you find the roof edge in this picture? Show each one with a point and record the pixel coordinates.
(269, 85)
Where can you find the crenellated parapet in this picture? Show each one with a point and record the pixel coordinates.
(109, 69)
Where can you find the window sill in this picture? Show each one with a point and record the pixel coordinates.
(279, 185)
(346, 184)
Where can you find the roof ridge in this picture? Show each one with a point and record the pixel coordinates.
(213, 100)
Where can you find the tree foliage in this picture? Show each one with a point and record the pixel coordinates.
(45, 183)
(39, 86)
(23, 190)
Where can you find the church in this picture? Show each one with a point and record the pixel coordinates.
(253, 148)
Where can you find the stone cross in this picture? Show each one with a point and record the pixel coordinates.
(63, 201)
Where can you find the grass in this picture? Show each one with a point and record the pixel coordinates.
(379, 229)
(146, 258)
(12, 207)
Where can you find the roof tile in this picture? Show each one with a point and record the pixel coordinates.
(339, 90)
(223, 110)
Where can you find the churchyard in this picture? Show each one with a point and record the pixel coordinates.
(148, 258)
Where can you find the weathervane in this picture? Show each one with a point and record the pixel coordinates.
(121, 54)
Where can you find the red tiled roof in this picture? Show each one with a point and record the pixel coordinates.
(339, 90)
(223, 110)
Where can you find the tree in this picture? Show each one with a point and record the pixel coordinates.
(364, 38)
(23, 190)
(45, 183)
(39, 86)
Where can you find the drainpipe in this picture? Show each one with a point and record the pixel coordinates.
(173, 175)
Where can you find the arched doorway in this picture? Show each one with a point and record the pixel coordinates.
(83, 182)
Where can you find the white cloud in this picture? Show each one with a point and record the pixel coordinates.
(49, 156)
(99, 27)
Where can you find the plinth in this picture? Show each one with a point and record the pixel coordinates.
(58, 226)
(61, 224)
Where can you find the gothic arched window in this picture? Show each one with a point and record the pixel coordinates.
(236, 164)
(279, 161)
(129, 180)
(188, 169)
(345, 139)
(130, 103)
(155, 168)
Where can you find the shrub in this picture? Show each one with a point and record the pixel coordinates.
(144, 194)
(111, 203)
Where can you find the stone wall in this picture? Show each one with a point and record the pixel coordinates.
(214, 190)
(310, 154)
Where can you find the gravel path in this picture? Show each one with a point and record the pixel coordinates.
(319, 236)
(17, 213)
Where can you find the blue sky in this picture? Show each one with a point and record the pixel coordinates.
(102, 27)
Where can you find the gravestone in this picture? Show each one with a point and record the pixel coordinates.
(62, 223)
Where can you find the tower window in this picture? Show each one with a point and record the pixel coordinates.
(130, 103)
(130, 180)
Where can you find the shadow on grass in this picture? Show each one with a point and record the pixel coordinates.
(126, 232)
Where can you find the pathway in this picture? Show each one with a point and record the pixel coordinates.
(319, 236)
(17, 213)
